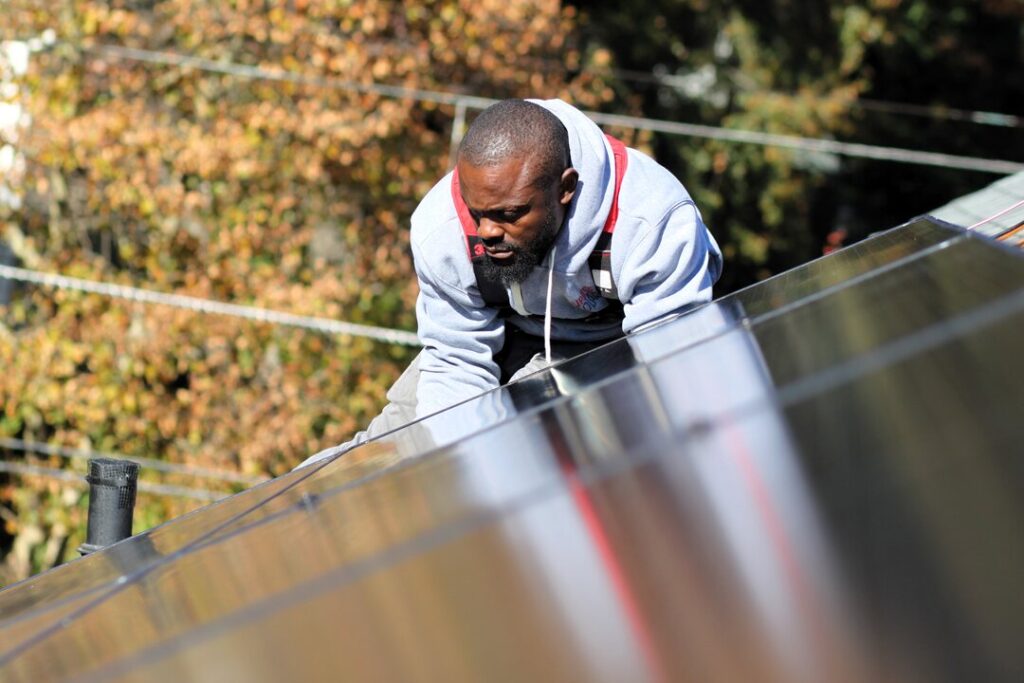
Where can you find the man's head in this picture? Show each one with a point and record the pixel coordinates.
(517, 181)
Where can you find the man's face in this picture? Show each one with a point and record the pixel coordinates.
(516, 217)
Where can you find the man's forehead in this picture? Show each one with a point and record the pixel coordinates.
(509, 180)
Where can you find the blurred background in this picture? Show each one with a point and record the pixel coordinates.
(161, 158)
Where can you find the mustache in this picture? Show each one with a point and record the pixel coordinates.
(502, 247)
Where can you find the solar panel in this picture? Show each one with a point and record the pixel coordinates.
(880, 250)
(923, 292)
(854, 261)
(787, 287)
(747, 491)
(95, 572)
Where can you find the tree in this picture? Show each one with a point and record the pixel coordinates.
(805, 68)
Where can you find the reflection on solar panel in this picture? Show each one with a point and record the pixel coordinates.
(815, 478)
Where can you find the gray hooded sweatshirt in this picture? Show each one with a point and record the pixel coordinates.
(663, 260)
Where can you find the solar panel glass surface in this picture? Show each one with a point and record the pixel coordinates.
(867, 530)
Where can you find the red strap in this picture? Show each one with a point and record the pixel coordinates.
(468, 224)
(621, 160)
(476, 248)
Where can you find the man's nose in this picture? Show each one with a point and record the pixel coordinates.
(490, 231)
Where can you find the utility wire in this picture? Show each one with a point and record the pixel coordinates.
(935, 111)
(637, 123)
(849, 149)
(191, 303)
(260, 73)
(678, 83)
(79, 480)
(149, 463)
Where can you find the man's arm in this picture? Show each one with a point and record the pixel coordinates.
(669, 267)
(460, 336)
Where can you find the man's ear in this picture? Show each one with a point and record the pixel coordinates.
(567, 186)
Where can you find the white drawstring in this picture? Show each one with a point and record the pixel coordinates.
(547, 310)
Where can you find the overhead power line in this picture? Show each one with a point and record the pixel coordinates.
(637, 123)
(191, 303)
(935, 111)
(849, 149)
(676, 82)
(149, 463)
(22, 469)
(260, 73)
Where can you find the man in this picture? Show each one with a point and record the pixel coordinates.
(513, 259)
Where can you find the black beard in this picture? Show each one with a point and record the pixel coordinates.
(524, 259)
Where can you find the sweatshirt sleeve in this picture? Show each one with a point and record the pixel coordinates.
(669, 267)
(459, 336)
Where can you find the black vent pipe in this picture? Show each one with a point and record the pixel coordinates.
(112, 485)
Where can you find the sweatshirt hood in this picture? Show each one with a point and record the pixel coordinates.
(591, 156)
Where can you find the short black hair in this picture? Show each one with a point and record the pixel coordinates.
(517, 128)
